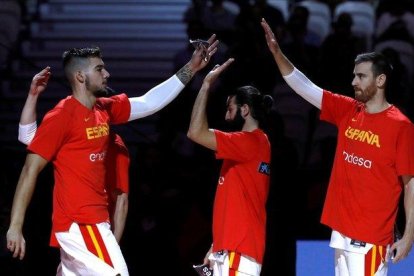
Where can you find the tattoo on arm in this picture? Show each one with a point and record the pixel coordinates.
(185, 74)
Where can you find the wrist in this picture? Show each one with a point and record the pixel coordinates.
(186, 73)
(193, 69)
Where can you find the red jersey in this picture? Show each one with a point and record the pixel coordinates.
(117, 169)
(373, 150)
(75, 139)
(239, 216)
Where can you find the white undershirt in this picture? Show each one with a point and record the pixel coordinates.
(155, 99)
(305, 88)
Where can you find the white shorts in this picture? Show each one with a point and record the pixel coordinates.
(228, 263)
(90, 250)
(357, 258)
(356, 264)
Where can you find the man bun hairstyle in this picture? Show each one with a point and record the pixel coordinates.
(260, 105)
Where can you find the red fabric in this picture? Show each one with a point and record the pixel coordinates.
(239, 219)
(373, 259)
(117, 174)
(372, 151)
(95, 243)
(235, 262)
(75, 139)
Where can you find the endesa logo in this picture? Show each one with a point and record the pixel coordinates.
(100, 156)
(356, 160)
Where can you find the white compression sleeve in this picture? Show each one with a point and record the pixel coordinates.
(27, 132)
(155, 99)
(304, 87)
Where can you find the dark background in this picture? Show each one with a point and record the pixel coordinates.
(172, 180)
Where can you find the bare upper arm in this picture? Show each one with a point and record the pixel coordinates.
(35, 162)
(408, 179)
(206, 139)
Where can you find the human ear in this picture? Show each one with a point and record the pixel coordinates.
(80, 76)
(245, 110)
(381, 79)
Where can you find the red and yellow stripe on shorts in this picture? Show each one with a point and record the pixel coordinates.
(234, 262)
(373, 259)
(94, 242)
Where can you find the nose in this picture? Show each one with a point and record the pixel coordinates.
(106, 74)
(354, 81)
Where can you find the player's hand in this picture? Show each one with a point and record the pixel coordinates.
(270, 37)
(401, 249)
(203, 53)
(16, 243)
(216, 71)
(206, 261)
(39, 81)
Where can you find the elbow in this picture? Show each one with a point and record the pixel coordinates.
(190, 135)
(193, 135)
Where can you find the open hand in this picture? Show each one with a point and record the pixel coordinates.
(202, 54)
(39, 81)
(270, 37)
(216, 71)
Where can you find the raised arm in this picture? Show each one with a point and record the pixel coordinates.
(294, 78)
(198, 130)
(27, 124)
(162, 94)
(404, 245)
(24, 191)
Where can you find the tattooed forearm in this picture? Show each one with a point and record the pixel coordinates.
(185, 74)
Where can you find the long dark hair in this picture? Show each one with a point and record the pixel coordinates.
(259, 104)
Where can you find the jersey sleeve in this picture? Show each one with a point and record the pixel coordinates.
(405, 150)
(236, 146)
(118, 108)
(335, 107)
(122, 166)
(51, 134)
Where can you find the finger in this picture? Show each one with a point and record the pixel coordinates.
(212, 52)
(44, 71)
(224, 65)
(227, 63)
(10, 245)
(212, 38)
(214, 45)
(266, 27)
(16, 251)
(46, 77)
(22, 250)
(396, 259)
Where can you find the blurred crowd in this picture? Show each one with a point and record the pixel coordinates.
(173, 180)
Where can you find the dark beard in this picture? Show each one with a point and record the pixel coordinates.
(101, 93)
(97, 93)
(237, 123)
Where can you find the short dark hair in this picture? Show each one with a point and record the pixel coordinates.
(74, 53)
(259, 104)
(380, 63)
(75, 58)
